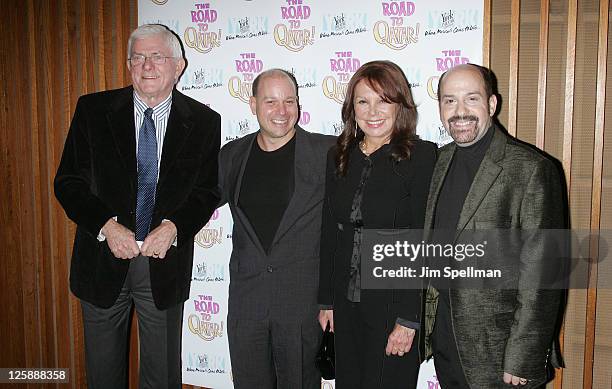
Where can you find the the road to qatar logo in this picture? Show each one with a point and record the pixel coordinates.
(293, 36)
(447, 60)
(208, 236)
(201, 323)
(399, 34)
(248, 65)
(343, 65)
(202, 38)
(159, 2)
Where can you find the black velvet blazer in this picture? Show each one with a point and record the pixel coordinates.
(97, 180)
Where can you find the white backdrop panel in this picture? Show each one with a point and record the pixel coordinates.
(228, 42)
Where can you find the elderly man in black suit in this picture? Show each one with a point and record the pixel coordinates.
(487, 180)
(138, 177)
(274, 182)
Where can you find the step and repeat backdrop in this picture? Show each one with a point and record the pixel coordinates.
(228, 42)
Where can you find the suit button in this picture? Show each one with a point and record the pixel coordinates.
(270, 269)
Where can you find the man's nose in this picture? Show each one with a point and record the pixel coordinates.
(148, 63)
(282, 109)
(461, 109)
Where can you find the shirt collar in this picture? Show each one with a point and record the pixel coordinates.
(160, 109)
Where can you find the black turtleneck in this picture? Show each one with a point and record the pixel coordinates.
(459, 178)
(458, 181)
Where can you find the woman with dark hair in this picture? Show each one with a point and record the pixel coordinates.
(378, 178)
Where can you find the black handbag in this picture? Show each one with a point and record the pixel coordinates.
(326, 357)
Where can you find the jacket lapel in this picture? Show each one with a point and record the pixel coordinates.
(485, 177)
(234, 193)
(120, 120)
(444, 159)
(178, 129)
(244, 152)
(304, 187)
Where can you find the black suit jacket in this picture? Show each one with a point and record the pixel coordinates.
(284, 281)
(393, 198)
(97, 180)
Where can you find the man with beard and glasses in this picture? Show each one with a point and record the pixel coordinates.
(487, 180)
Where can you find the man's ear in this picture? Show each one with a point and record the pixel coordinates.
(180, 66)
(253, 104)
(492, 105)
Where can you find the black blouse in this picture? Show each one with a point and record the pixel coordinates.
(376, 193)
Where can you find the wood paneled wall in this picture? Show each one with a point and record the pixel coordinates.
(52, 51)
(551, 59)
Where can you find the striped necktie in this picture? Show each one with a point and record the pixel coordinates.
(147, 175)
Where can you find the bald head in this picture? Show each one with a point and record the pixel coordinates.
(274, 73)
(485, 75)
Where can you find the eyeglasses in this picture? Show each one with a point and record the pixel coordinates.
(139, 59)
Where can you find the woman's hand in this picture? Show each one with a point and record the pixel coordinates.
(326, 315)
(400, 340)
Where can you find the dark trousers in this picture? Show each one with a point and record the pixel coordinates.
(446, 357)
(361, 331)
(274, 353)
(107, 333)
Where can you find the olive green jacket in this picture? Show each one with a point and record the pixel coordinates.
(503, 330)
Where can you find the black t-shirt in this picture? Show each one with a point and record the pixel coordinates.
(267, 187)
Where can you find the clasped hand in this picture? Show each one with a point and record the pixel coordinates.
(122, 241)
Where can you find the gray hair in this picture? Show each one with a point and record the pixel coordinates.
(146, 30)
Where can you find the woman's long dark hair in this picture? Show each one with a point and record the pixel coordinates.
(389, 81)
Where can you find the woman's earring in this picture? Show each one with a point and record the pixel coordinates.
(355, 129)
